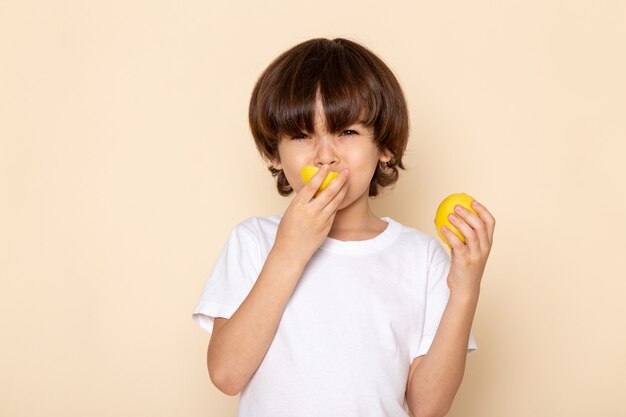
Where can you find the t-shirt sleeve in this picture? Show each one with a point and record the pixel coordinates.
(231, 279)
(437, 297)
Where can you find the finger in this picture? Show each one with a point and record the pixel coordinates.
(475, 223)
(455, 243)
(471, 239)
(331, 207)
(310, 188)
(327, 194)
(486, 216)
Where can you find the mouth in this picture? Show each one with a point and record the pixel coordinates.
(309, 171)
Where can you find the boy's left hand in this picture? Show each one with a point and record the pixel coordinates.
(469, 258)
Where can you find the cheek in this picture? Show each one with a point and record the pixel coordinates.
(294, 180)
(291, 166)
(365, 168)
(293, 177)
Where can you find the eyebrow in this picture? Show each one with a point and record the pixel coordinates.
(360, 123)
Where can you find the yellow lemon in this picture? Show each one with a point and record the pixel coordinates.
(445, 208)
(308, 171)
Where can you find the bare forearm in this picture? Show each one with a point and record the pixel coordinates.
(244, 339)
(439, 374)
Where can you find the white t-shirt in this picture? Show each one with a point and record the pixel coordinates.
(359, 315)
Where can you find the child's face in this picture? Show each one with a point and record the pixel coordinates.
(352, 148)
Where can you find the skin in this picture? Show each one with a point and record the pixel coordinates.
(434, 378)
(353, 148)
(342, 211)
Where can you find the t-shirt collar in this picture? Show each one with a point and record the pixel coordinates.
(361, 247)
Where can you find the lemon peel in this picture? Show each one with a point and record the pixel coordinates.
(445, 208)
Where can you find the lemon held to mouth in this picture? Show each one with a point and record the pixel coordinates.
(307, 173)
(445, 208)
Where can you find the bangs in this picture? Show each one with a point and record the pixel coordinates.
(345, 84)
(351, 85)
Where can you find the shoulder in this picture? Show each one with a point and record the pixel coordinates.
(422, 242)
(256, 228)
(251, 239)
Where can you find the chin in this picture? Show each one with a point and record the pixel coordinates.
(347, 201)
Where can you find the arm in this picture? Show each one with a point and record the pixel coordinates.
(239, 345)
(435, 377)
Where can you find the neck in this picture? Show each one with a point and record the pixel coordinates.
(358, 216)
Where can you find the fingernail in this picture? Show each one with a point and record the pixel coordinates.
(475, 203)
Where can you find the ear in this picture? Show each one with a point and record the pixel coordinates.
(386, 155)
(276, 163)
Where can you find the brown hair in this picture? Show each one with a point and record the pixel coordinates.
(353, 84)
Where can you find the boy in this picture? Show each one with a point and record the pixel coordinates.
(328, 310)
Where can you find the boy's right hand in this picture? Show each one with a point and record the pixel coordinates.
(308, 219)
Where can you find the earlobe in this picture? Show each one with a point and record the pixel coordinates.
(276, 164)
(386, 156)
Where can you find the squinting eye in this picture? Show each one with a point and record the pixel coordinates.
(350, 132)
(300, 136)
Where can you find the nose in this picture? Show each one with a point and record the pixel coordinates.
(326, 153)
